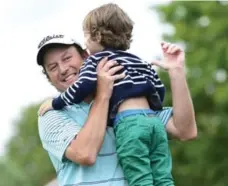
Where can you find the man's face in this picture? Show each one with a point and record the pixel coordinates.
(62, 66)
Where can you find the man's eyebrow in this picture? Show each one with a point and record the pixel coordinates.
(65, 53)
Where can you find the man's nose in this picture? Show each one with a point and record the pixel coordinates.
(63, 69)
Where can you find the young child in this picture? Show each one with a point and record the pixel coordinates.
(141, 140)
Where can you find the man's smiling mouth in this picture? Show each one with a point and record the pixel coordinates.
(70, 77)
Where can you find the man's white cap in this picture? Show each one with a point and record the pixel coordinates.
(53, 40)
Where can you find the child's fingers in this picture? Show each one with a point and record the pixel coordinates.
(42, 109)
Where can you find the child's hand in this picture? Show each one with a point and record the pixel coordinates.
(46, 106)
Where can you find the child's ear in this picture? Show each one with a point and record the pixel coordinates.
(85, 54)
(98, 36)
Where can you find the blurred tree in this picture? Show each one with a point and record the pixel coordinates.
(202, 29)
(11, 175)
(25, 151)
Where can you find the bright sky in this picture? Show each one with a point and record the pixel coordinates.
(25, 22)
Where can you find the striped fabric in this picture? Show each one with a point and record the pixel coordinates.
(141, 80)
(166, 113)
(58, 128)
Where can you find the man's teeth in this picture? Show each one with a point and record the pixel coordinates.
(69, 77)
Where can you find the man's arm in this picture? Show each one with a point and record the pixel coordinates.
(182, 125)
(85, 147)
(64, 139)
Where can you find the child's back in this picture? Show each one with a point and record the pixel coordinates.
(141, 80)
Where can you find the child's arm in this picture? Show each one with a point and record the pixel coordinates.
(77, 92)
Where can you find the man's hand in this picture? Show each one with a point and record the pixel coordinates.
(46, 106)
(174, 57)
(106, 76)
(183, 124)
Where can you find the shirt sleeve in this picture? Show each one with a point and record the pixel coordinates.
(165, 114)
(56, 132)
(77, 92)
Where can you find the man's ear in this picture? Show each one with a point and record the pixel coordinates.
(98, 36)
(45, 73)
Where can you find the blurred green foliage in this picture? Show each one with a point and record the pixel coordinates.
(25, 154)
(202, 29)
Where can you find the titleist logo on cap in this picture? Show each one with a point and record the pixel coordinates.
(48, 38)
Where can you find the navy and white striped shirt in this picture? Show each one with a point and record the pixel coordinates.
(140, 80)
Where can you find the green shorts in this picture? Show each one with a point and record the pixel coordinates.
(143, 151)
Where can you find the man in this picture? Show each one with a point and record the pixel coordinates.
(77, 139)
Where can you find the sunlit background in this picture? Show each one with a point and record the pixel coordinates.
(25, 22)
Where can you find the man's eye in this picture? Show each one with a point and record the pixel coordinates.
(67, 58)
(52, 68)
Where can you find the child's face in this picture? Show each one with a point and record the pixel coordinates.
(92, 46)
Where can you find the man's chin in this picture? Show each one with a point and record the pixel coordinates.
(66, 84)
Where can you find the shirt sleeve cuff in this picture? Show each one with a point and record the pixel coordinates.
(165, 114)
(58, 103)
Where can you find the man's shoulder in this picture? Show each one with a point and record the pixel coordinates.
(50, 118)
(71, 115)
(63, 113)
(50, 115)
(53, 118)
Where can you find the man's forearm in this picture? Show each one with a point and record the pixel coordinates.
(184, 116)
(90, 138)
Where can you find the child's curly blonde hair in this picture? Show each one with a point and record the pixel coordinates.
(112, 23)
